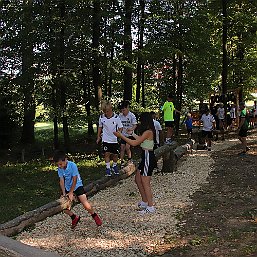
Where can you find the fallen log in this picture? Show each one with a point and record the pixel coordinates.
(28, 219)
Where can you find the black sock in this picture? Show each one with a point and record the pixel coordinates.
(93, 215)
(73, 216)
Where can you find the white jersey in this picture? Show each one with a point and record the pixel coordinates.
(109, 125)
(221, 113)
(158, 127)
(207, 122)
(127, 122)
(233, 113)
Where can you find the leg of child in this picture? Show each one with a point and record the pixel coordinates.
(128, 151)
(140, 187)
(122, 152)
(90, 210)
(146, 182)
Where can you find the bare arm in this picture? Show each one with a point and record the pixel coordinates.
(74, 181)
(62, 185)
(138, 139)
(99, 132)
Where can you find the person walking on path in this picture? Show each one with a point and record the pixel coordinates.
(148, 162)
(109, 122)
(168, 110)
(129, 122)
(221, 117)
(208, 126)
(189, 126)
(158, 130)
(243, 127)
(71, 183)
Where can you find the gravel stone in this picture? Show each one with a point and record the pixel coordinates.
(124, 232)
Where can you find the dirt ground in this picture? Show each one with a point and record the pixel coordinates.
(223, 220)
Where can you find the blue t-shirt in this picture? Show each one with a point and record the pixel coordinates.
(189, 123)
(68, 173)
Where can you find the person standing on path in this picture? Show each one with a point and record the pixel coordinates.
(148, 161)
(243, 127)
(129, 122)
(168, 110)
(208, 126)
(71, 183)
(109, 122)
(158, 130)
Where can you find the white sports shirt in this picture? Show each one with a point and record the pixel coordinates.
(127, 122)
(109, 125)
(207, 122)
(158, 127)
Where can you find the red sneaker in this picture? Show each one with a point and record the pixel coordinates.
(75, 222)
(97, 219)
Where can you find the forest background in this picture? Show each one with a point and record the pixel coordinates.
(59, 59)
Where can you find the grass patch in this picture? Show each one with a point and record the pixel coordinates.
(26, 186)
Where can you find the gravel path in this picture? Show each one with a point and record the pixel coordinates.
(124, 231)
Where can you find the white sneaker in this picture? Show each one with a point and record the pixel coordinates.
(147, 210)
(142, 205)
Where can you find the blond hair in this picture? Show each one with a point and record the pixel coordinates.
(106, 105)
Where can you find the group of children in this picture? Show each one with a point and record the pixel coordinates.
(113, 126)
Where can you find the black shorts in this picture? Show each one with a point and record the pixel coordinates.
(123, 142)
(113, 148)
(242, 132)
(79, 191)
(207, 134)
(169, 124)
(189, 130)
(148, 163)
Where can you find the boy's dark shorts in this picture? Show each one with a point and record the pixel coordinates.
(79, 191)
(113, 148)
(242, 132)
(208, 134)
(169, 124)
(123, 142)
(189, 130)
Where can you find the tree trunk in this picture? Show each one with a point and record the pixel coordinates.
(128, 51)
(140, 64)
(95, 45)
(62, 80)
(27, 79)
(224, 46)
(86, 89)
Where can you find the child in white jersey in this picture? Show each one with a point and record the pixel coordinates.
(221, 117)
(208, 126)
(109, 122)
(129, 122)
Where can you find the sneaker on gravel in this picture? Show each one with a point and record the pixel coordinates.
(97, 219)
(116, 170)
(142, 205)
(75, 221)
(108, 173)
(147, 210)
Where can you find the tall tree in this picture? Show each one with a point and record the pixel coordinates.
(128, 50)
(27, 77)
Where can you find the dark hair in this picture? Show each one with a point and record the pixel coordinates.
(146, 123)
(170, 96)
(152, 112)
(59, 155)
(124, 104)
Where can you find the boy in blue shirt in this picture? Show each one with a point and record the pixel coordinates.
(71, 183)
(189, 125)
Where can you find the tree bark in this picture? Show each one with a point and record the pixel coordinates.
(27, 79)
(95, 45)
(128, 51)
(224, 46)
(140, 63)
